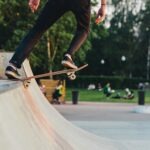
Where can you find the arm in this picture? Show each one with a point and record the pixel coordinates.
(101, 12)
(34, 4)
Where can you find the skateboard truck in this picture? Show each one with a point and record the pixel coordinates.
(71, 75)
(26, 83)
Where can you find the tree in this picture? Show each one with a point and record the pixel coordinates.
(12, 26)
(128, 35)
(143, 40)
(98, 36)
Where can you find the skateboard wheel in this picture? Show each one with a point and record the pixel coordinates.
(26, 83)
(72, 77)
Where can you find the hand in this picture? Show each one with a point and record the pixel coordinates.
(34, 4)
(101, 14)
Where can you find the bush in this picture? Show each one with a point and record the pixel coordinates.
(116, 82)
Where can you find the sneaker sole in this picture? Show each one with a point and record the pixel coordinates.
(11, 75)
(68, 65)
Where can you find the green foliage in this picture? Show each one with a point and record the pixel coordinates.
(116, 82)
(143, 39)
(127, 36)
(17, 19)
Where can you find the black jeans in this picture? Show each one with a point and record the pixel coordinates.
(51, 12)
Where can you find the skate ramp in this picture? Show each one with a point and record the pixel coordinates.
(29, 122)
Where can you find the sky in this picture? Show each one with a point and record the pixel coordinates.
(134, 5)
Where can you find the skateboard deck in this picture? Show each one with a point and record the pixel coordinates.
(70, 73)
(65, 71)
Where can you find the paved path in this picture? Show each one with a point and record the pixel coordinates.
(118, 122)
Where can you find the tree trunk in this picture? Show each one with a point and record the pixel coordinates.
(49, 55)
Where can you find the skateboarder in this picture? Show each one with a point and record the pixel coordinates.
(51, 12)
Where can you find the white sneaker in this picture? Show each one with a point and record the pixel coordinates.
(68, 62)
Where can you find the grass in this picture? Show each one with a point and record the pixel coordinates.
(98, 96)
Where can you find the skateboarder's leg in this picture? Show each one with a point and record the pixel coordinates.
(50, 13)
(82, 14)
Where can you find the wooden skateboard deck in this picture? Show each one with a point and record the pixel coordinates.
(70, 72)
(65, 71)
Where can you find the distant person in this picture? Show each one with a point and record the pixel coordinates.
(57, 93)
(107, 90)
(129, 94)
(51, 12)
(42, 88)
(91, 87)
(141, 86)
(99, 87)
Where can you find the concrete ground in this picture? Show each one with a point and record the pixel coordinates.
(118, 122)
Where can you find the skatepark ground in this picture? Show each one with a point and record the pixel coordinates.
(119, 122)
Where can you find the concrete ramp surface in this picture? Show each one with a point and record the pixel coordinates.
(29, 122)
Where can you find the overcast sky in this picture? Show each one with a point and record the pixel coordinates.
(136, 4)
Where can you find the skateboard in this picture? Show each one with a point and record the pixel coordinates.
(70, 73)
